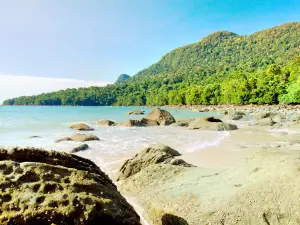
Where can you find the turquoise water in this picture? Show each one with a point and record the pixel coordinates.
(18, 123)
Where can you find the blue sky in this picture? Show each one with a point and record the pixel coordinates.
(96, 40)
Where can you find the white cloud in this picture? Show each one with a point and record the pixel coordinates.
(15, 86)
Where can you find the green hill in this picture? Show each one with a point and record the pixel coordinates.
(122, 78)
(222, 68)
(225, 51)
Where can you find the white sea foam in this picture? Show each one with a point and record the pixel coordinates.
(117, 143)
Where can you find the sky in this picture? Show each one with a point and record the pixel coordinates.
(91, 42)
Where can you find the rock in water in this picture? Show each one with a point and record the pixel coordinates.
(211, 123)
(106, 123)
(80, 148)
(47, 187)
(81, 126)
(136, 112)
(132, 123)
(63, 139)
(154, 154)
(84, 137)
(162, 117)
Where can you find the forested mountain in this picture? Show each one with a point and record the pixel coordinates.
(122, 78)
(222, 68)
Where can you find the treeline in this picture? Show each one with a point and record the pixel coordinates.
(222, 68)
(273, 85)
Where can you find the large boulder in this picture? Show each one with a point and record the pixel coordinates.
(154, 154)
(211, 123)
(84, 137)
(136, 112)
(48, 187)
(105, 123)
(81, 126)
(162, 117)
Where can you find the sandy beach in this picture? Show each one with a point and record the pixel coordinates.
(249, 178)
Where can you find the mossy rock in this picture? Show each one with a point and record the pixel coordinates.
(48, 187)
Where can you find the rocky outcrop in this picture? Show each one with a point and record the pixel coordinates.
(105, 123)
(81, 126)
(211, 123)
(136, 112)
(162, 117)
(80, 148)
(48, 187)
(154, 154)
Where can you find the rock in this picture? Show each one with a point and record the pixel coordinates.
(262, 115)
(232, 117)
(161, 116)
(265, 122)
(200, 110)
(84, 137)
(63, 139)
(182, 123)
(80, 148)
(211, 123)
(34, 136)
(48, 187)
(149, 122)
(154, 154)
(278, 118)
(169, 219)
(132, 123)
(81, 126)
(105, 123)
(136, 112)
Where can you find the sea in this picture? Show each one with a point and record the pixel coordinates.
(40, 126)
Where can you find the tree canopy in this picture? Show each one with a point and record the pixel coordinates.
(222, 68)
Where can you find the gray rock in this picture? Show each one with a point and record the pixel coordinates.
(80, 148)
